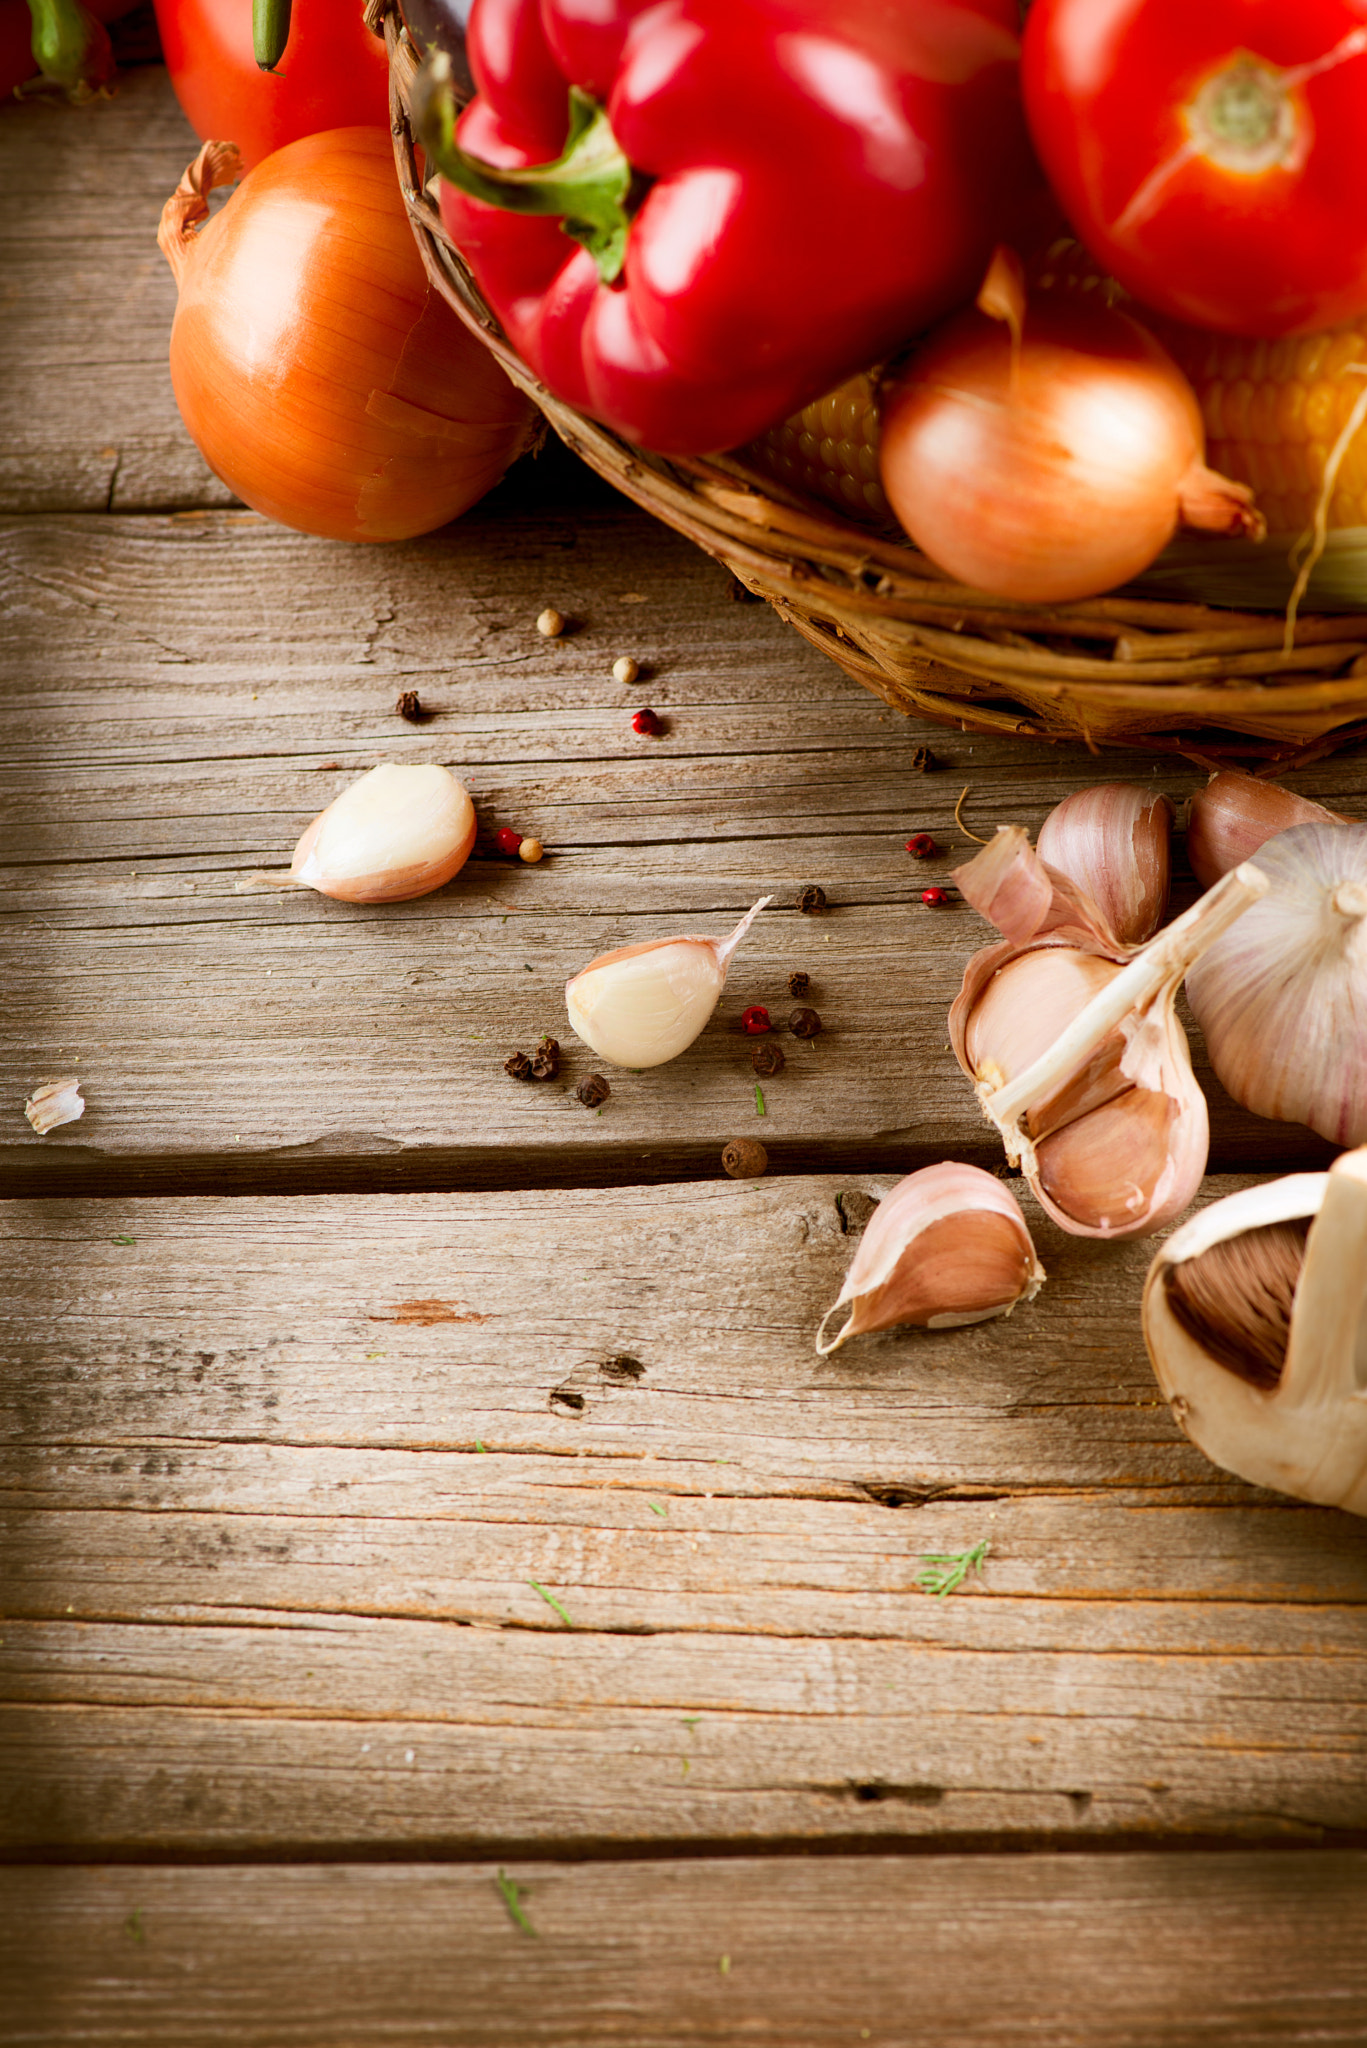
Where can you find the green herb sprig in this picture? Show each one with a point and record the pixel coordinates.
(946, 1570)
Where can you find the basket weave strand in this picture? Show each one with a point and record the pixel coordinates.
(1119, 671)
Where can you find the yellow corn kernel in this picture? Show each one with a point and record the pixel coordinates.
(1273, 411)
(829, 451)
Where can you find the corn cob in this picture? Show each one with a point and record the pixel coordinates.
(1272, 409)
(829, 451)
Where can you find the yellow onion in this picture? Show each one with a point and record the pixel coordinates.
(317, 370)
(1050, 452)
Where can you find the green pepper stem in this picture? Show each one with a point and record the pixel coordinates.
(270, 33)
(587, 188)
(70, 47)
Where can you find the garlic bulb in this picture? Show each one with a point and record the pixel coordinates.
(1073, 1046)
(1299, 1425)
(1235, 814)
(1115, 840)
(642, 1005)
(401, 831)
(946, 1246)
(1283, 1000)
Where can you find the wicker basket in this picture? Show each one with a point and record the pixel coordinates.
(1116, 671)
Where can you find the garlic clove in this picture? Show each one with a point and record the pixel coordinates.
(399, 832)
(1115, 840)
(1282, 999)
(1306, 1434)
(642, 1005)
(1027, 899)
(1019, 1015)
(1236, 1297)
(1235, 814)
(55, 1103)
(1121, 1059)
(947, 1246)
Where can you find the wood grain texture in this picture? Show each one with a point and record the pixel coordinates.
(187, 692)
(89, 419)
(264, 1587)
(1140, 1951)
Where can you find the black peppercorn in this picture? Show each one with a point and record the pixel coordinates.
(803, 1023)
(923, 761)
(519, 1066)
(811, 899)
(546, 1060)
(798, 984)
(408, 706)
(592, 1090)
(745, 1159)
(768, 1058)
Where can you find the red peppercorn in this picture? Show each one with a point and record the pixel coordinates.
(646, 721)
(936, 898)
(755, 1020)
(508, 840)
(921, 845)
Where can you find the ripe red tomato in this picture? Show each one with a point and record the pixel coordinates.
(1212, 154)
(333, 74)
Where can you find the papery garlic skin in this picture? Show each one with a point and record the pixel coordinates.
(1115, 839)
(946, 1247)
(399, 832)
(642, 1005)
(1282, 997)
(1307, 1436)
(1235, 814)
(55, 1103)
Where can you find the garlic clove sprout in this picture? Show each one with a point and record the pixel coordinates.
(1116, 841)
(1299, 1425)
(947, 1246)
(399, 832)
(1282, 999)
(1106, 1119)
(1235, 814)
(642, 1005)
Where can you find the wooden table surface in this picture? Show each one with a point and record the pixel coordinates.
(446, 1598)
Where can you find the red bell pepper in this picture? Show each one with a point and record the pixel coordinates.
(754, 199)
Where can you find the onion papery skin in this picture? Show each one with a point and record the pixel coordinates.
(1049, 479)
(319, 374)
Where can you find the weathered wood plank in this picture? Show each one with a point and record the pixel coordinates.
(162, 737)
(89, 419)
(255, 1551)
(1231, 1951)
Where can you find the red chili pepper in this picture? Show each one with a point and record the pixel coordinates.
(936, 898)
(755, 1020)
(754, 198)
(646, 721)
(508, 840)
(922, 845)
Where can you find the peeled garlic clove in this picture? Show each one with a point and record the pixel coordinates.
(1302, 1429)
(399, 832)
(947, 1246)
(1116, 841)
(642, 1005)
(1235, 814)
(1282, 998)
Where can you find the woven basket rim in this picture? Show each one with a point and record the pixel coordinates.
(892, 619)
